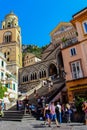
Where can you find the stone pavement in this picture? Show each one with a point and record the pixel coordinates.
(38, 125)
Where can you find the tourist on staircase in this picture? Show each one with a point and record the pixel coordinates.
(26, 104)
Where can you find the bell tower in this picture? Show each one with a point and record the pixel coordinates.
(10, 43)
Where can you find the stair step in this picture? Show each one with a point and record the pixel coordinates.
(10, 119)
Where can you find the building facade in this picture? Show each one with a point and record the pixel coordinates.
(75, 58)
(10, 43)
(7, 79)
(2, 68)
(30, 59)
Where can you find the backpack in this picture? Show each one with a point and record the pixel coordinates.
(57, 109)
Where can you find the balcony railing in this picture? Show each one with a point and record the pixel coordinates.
(69, 42)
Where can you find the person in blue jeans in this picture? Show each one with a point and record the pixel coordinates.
(53, 113)
(68, 113)
(47, 115)
(59, 112)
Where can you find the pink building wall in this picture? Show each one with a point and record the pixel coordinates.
(81, 54)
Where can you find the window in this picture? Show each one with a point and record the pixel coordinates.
(3, 26)
(25, 78)
(7, 85)
(5, 54)
(73, 51)
(13, 86)
(2, 63)
(76, 70)
(2, 75)
(8, 53)
(7, 37)
(85, 27)
(9, 24)
(8, 59)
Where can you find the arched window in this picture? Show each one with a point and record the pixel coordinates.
(25, 78)
(7, 59)
(85, 27)
(40, 74)
(5, 54)
(44, 73)
(35, 75)
(7, 37)
(31, 77)
(9, 24)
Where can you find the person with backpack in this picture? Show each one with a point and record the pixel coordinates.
(53, 113)
(59, 112)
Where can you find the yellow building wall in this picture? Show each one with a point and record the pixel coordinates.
(14, 48)
(79, 85)
(14, 34)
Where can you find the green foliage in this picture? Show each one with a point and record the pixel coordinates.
(64, 39)
(37, 51)
(78, 103)
(2, 90)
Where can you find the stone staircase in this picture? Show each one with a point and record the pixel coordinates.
(28, 117)
(13, 115)
(17, 116)
(44, 91)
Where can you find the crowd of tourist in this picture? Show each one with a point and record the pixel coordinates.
(49, 112)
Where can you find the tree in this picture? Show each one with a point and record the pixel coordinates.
(37, 51)
(78, 103)
(2, 90)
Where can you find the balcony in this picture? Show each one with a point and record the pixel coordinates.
(69, 42)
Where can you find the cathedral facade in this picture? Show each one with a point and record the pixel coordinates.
(51, 64)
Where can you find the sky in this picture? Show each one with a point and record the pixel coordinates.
(37, 18)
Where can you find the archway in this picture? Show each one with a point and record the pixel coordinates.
(52, 70)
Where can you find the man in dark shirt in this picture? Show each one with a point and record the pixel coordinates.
(26, 104)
